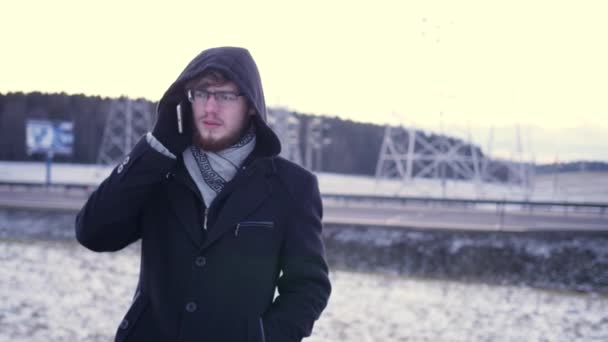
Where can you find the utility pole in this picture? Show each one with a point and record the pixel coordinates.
(287, 127)
(315, 141)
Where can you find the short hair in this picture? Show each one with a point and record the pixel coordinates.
(209, 77)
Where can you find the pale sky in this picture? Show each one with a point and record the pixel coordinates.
(538, 64)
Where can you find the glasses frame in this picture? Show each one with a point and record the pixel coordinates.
(215, 94)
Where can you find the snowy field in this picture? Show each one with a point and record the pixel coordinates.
(51, 289)
(572, 187)
(55, 290)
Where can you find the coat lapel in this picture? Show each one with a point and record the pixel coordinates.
(249, 192)
(183, 194)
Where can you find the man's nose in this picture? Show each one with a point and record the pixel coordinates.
(211, 105)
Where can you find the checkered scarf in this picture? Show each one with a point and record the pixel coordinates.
(218, 168)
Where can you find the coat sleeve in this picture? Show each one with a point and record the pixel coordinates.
(110, 219)
(304, 286)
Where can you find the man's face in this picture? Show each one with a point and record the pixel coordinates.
(219, 122)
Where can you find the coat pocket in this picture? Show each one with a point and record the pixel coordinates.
(252, 225)
(129, 321)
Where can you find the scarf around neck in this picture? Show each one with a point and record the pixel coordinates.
(212, 170)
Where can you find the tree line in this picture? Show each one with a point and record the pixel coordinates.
(353, 147)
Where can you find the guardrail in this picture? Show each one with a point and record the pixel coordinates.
(58, 188)
(501, 204)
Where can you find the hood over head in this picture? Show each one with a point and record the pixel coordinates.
(237, 65)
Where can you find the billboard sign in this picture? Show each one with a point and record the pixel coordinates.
(44, 136)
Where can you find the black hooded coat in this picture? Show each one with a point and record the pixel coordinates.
(263, 234)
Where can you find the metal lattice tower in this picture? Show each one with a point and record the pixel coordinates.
(516, 170)
(127, 121)
(315, 141)
(407, 153)
(287, 128)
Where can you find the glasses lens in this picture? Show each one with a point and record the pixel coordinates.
(202, 96)
(225, 97)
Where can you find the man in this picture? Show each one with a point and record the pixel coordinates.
(223, 221)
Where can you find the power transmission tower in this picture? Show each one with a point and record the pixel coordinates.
(315, 141)
(128, 120)
(394, 152)
(409, 153)
(287, 127)
(514, 171)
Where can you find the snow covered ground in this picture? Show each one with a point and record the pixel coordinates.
(573, 187)
(55, 290)
(51, 289)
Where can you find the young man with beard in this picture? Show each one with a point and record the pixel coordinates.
(223, 220)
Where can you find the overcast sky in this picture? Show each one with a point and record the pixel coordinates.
(539, 64)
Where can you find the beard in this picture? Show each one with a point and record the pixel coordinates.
(211, 143)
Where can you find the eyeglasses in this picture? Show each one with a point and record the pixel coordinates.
(198, 96)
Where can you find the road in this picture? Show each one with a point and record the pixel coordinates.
(411, 216)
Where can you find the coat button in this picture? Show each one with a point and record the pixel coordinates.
(200, 261)
(169, 175)
(191, 307)
(124, 162)
(124, 324)
(120, 167)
